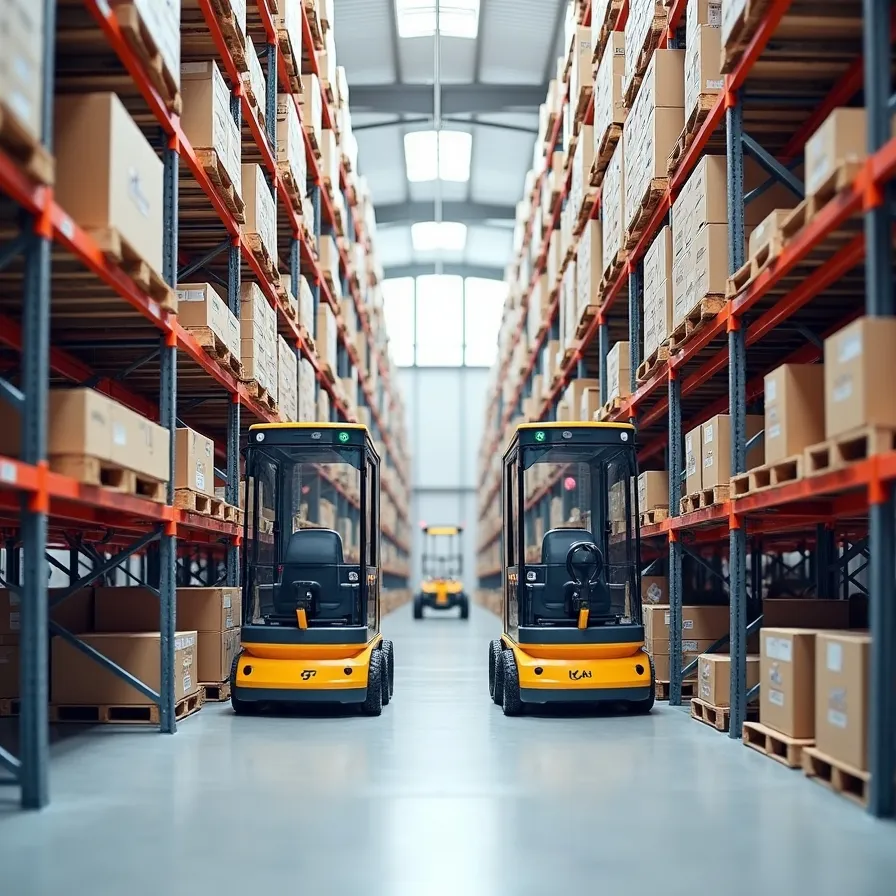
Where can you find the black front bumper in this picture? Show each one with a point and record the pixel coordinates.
(453, 600)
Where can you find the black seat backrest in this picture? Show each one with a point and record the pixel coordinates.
(315, 555)
(554, 601)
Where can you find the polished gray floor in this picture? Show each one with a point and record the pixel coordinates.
(440, 795)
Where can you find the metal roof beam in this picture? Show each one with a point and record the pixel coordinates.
(457, 270)
(465, 212)
(457, 99)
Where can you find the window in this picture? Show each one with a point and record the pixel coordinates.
(398, 307)
(440, 321)
(438, 154)
(457, 18)
(433, 236)
(482, 320)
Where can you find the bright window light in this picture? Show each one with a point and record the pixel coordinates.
(450, 162)
(483, 308)
(398, 307)
(457, 18)
(432, 236)
(440, 331)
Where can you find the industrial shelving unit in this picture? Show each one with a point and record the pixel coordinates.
(129, 347)
(834, 520)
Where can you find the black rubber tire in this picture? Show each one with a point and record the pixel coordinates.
(240, 707)
(389, 654)
(465, 607)
(494, 655)
(510, 690)
(498, 693)
(418, 607)
(373, 704)
(642, 707)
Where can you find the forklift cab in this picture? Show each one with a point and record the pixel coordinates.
(442, 587)
(310, 580)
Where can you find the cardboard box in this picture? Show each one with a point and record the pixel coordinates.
(841, 138)
(78, 680)
(613, 207)
(287, 380)
(609, 102)
(21, 63)
(842, 665)
(707, 623)
(715, 449)
(794, 410)
(216, 654)
(134, 609)
(575, 391)
(654, 589)
(194, 466)
(199, 305)
(207, 120)
(693, 461)
(589, 267)
(161, 18)
(714, 677)
(139, 444)
(312, 105)
(766, 230)
(325, 335)
(255, 80)
(782, 612)
(663, 670)
(859, 363)
(589, 403)
(307, 400)
(580, 71)
(291, 141)
(653, 490)
(261, 212)
(619, 371)
(787, 681)
(108, 176)
(700, 270)
(75, 613)
(701, 68)
(258, 330)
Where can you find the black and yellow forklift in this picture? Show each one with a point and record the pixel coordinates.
(310, 605)
(572, 625)
(442, 560)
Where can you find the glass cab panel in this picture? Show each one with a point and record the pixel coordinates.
(442, 557)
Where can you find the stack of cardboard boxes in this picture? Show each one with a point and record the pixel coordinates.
(703, 46)
(619, 371)
(258, 328)
(658, 293)
(613, 210)
(21, 63)
(707, 450)
(609, 107)
(200, 307)
(701, 627)
(260, 228)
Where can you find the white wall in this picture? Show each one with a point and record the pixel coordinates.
(445, 418)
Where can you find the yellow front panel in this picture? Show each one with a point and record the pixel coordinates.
(579, 651)
(587, 674)
(305, 651)
(308, 673)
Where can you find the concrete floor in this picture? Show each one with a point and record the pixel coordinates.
(440, 795)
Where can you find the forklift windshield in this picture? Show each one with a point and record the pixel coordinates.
(442, 555)
(310, 530)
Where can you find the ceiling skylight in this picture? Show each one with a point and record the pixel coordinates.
(457, 18)
(449, 159)
(433, 236)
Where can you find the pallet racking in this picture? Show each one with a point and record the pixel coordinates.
(70, 315)
(837, 267)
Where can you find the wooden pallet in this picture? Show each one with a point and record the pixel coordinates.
(118, 251)
(647, 368)
(581, 104)
(586, 318)
(292, 61)
(106, 474)
(234, 39)
(840, 178)
(847, 449)
(688, 689)
(780, 747)
(651, 40)
(589, 198)
(742, 32)
(610, 409)
(197, 502)
(768, 475)
(146, 50)
(694, 321)
(739, 487)
(605, 29)
(293, 188)
(24, 148)
(233, 515)
(689, 503)
(745, 275)
(107, 713)
(836, 775)
(10, 708)
(260, 394)
(215, 348)
(605, 149)
(650, 199)
(718, 717)
(215, 692)
(224, 187)
(259, 250)
(710, 496)
(654, 516)
(613, 270)
(705, 103)
(314, 25)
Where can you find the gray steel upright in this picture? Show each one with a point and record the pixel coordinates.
(882, 522)
(676, 596)
(737, 361)
(34, 737)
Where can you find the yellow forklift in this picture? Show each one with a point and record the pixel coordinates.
(442, 567)
(572, 625)
(310, 603)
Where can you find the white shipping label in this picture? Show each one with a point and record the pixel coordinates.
(708, 460)
(771, 391)
(837, 710)
(14, 619)
(200, 477)
(776, 698)
(707, 433)
(188, 683)
(774, 431)
(119, 434)
(779, 649)
(689, 646)
(837, 719)
(834, 657)
(226, 601)
(842, 390)
(714, 83)
(704, 690)
(184, 641)
(850, 348)
(137, 194)
(191, 295)
(715, 15)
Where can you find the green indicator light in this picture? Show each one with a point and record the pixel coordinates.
(539, 436)
(343, 437)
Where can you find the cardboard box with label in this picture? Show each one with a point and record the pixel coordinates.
(195, 462)
(589, 266)
(201, 307)
(653, 490)
(609, 104)
(766, 230)
(139, 444)
(842, 661)
(716, 448)
(291, 142)
(658, 291)
(261, 212)
(794, 410)
(693, 461)
(132, 609)
(702, 79)
(714, 677)
(216, 654)
(859, 368)
(613, 207)
(287, 380)
(325, 335)
(78, 680)
(161, 19)
(706, 623)
(255, 82)
(108, 176)
(589, 403)
(787, 681)
(619, 384)
(258, 343)
(21, 63)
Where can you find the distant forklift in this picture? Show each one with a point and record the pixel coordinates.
(442, 587)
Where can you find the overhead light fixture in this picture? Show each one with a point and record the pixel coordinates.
(457, 18)
(443, 154)
(434, 236)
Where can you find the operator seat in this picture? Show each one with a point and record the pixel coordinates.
(553, 603)
(315, 555)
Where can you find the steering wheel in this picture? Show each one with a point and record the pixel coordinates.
(586, 557)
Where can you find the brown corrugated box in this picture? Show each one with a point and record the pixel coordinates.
(290, 140)
(589, 403)
(107, 174)
(658, 291)
(576, 389)
(312, 107)
(78, 680)
(794, 410)
(782, 612)
(613, 206)
(707, 623)
(787, 681)
(663, 670)
(609, 105)
(195, 461)
(701, 67)
(200, 305)
(766, 229)
(325, 335)
(859, 370)
(261, 213)
(693, 461)
(216, 653)
(715, 448)
(258, 343)
(132, 609)
(288, 380)
(714, 677)
(842, 661)
(618, 371)
(21, 62)
(653, 490)
(700, 270)
(589, 265)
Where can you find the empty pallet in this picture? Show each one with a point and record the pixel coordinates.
(105, 713)
(850, 448)
(107, 474)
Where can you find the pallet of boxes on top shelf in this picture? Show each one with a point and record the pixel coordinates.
(613, 212)
(653, 497)
(230, 16)
(258, 344)
(208, 319)
(291, 164)
(288, 25)
(609, 106)
(604, 19)
(255, 85)
(589, 271)
(581, 82)
(657, 302)
(260, 229)
(644, 28)
(618, 380)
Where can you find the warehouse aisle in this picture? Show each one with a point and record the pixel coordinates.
(441, 795)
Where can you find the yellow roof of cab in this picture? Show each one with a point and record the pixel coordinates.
(574, 424)
(307, 426)
(442, 530)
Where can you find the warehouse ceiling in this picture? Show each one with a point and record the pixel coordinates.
(496, 58)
